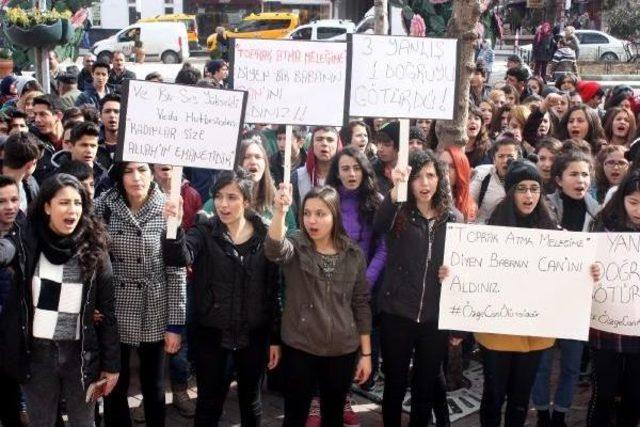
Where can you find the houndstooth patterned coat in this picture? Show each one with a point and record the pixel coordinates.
(149, 295)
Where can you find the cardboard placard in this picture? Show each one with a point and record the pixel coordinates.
(180, 125)
(616, 298)
(291, 82)
(402, 77)
(518, 281)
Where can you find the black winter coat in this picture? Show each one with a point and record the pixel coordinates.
(235, 294)
(411, 288)
(100, 343)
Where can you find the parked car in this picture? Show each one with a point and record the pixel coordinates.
(189, 21)
(267, 25)
(165, 41)
(395, 21)
(324, 29)
(594, 46)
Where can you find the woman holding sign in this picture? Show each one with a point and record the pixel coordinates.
(236, 298)
(327, 319)
(574, 209)
(410, 293)
(510, 362)
(616, 358)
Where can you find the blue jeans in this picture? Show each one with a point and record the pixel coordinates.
(570, 357)
(55, 374)
(179, 366)
(180, 363)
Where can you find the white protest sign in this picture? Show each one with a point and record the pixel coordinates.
(616, 298)
(402, 77)
(517, 281)
(291, 82)
(180, 125)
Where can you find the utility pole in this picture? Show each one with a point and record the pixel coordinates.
(42, 56)
(380, 25)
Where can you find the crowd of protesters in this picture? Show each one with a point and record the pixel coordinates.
(324, 282)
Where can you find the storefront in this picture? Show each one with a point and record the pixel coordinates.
(213, 13)
(307, 10)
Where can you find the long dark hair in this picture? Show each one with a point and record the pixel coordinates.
(613, 216)
(595, 136)
(482, 143)
(92, 240)
(368, 195)
(601, 181)
(240, 177)
(563, 160)
(441, 200)
(506, 214)
(331, 198)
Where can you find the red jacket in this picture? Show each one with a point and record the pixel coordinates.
(192, 204)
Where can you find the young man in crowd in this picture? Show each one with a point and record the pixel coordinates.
(83, 172)
(68, 89)
(325, 144)
(21, 152)
(49, 130)
(83, 147)
(217, 71)
(84, 77)
(478, 89)
(517, 77)
(17, 122)
(487, 185)
(119, 72)
(98, 89)
(298, 153)
(12, 412)
(54, 70)
(110, 118)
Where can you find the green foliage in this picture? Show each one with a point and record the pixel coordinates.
(5, 53)
(59, 5)
(624, 23)
(27, 18)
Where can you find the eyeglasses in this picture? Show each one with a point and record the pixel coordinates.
(522, 189)
(619, 163)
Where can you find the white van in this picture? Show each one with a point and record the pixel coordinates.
(164, 41)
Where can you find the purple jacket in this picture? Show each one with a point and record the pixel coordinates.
(362, 234)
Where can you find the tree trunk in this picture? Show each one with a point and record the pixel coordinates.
(380, 22)
(461, 26)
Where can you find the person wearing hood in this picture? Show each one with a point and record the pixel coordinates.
(8, 90)
(83, 146)
(543, 48)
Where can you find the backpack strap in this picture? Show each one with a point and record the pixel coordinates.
(483, 189)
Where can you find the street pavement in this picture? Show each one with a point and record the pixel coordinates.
(370, 413)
